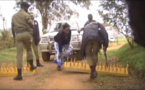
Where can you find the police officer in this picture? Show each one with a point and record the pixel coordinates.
(90, 19)
(94, 35)
(22, 29)
(36, 39)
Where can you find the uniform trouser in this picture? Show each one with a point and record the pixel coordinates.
(23, 40)
(91, 50)
(35, 49)
(65, 53)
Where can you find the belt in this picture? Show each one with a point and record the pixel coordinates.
(21, 31)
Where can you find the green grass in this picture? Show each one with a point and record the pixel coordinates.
(121, 40)
(111, 56)
(134, 57)
(9, 55)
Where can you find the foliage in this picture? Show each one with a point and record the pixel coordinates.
(6, 41)
(115, 13)
(54, 10)
(5, 35)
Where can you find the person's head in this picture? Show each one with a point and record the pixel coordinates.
(90, 17)
(25, 6)
(66, 28)
(32, 16)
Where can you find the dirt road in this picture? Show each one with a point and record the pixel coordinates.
(48, 77)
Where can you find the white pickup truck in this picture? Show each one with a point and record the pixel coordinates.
(47, 40)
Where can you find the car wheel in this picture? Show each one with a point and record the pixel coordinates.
(45, 56)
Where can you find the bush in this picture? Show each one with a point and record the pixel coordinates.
(5, 35)
(6, 41)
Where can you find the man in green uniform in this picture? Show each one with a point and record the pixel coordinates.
(22, 29)
(36, 39)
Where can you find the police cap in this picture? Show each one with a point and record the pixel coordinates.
(24, 4)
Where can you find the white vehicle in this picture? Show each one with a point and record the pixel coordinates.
(112, 39)
(47, 40)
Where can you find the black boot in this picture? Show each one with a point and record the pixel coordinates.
(32, 67)
(19, 76)
(58, 68)
(93, 73)
(38, 63)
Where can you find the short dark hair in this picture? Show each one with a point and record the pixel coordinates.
(24, 4)
(65, 25)
(90, 15)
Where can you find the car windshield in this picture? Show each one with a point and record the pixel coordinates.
(55, 27)
(74, 26)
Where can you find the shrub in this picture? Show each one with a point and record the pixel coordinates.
(6, 41)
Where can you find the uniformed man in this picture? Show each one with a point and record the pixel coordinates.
(22, 31)
(94, 35)
(36, 39)
(90, 19)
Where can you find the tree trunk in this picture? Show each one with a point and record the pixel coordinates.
(117, 40)
(44, 23)
(130, 42)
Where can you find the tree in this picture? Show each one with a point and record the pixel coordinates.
(3, 20)
(54, 10)
(115, 13)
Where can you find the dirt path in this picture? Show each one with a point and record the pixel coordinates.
(113, 46)
(49, 78)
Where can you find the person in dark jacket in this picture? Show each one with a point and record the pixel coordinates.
(36, 39)
(90, 19)
(94, 35)
(62, 45)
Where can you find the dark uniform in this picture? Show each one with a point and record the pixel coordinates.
(94, 35)
(90, 19)
(88, 22)
(36, 40)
